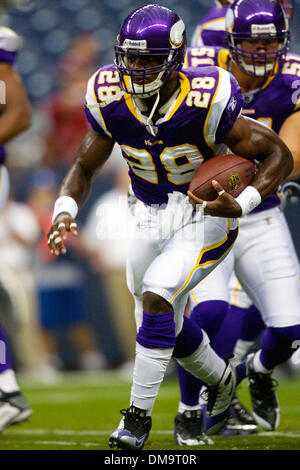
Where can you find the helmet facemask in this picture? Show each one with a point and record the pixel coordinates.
(256, 63)
(135, 80)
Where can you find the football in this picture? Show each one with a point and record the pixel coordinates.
(234, 174)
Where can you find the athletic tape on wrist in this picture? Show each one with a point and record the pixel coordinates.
(65, 204)
(249, 199)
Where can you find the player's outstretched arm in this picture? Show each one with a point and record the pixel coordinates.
(16, 111)
(91, 156)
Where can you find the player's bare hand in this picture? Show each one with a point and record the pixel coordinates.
(58, 233)
(224, 206)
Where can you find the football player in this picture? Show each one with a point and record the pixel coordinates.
(211, 31)
(15, 116)
(167, 123)
(263, 257)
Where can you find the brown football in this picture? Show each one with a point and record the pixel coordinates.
(234, 173)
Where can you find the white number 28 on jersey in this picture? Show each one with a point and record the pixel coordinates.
(179, 162)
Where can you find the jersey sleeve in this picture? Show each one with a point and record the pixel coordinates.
(92, 107)
(290, 74)
(10, 44)
(226, 108)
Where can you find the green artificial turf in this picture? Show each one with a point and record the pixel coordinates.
(80, 410)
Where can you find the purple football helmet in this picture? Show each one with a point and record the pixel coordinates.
(266, 20)
(155, 32)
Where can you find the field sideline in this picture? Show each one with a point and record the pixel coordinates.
(80, 411)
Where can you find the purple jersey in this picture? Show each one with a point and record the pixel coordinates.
(193, 124)
(262, 104)
(9, 46)
(211, 30)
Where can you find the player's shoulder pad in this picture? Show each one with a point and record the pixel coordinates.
(104, 87)
(9, 40)
(291, 68)
(219, 83)
(206, 55)
(292, 57)
(203, 71)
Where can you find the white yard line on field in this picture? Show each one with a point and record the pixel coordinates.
(62, 443)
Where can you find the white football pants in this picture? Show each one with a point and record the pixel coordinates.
(266, 267)
(172, 250)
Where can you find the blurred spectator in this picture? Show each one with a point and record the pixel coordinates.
(60, 284)
(64, 111)
(106, 237)
(19, 234)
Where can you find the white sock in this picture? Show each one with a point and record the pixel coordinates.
(258, 366)
(8, 381)
(241, 348)
(182, 407)
(204, 363)
(149, 370)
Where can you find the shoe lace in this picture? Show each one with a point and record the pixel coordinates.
(216, 395)
(212, 397)
(134, 419)
(265, 385)
(193, 421)
(239, 407)
(204, 394)
(15, 399)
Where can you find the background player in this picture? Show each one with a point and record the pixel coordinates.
(211, 30)
(162, 108)
(265, 277)
(15, 117)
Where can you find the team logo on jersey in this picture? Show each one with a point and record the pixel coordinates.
(232, 104)
(155, 142)
(234, 182)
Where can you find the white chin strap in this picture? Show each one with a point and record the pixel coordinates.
(258, 70)
(145, 91)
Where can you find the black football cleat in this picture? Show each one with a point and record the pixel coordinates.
(133, 430)
(264, 400)
(189, 429)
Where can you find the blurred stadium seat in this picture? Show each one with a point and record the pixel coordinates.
(47, 29)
